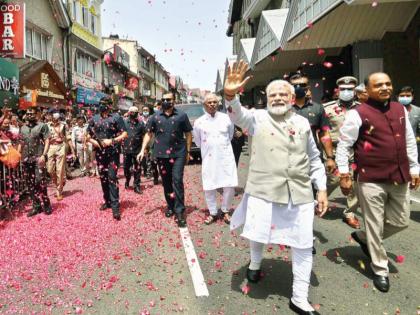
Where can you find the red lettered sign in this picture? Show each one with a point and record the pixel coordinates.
(12, 29)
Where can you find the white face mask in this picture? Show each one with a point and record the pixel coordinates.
(405, 100)
(346, 95)
(279, 110)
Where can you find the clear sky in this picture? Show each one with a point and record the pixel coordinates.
(187, 36)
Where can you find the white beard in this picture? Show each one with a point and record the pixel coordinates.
(279, 110)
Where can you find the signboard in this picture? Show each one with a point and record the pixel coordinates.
(121, 56)
(86, 35)
(12, 29)
(9, 83)
(88, 96)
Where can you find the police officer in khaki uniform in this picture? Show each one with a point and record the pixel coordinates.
(336, 111)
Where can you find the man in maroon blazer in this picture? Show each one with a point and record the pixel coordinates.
(385, 153)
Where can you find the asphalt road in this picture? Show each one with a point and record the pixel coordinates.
(144, 269)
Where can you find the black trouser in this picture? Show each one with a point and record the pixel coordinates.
(237, 149)
(132, 165)
(108, 167)
(172, 172)
(154, 168)
(36, 183)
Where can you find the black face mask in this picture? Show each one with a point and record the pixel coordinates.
(134, 115)
(300, 91)
(166, 105)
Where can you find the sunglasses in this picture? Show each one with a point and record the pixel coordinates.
(167, 99)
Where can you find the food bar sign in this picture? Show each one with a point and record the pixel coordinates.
(12, 29)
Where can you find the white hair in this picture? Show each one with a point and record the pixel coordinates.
(282, 83)
(209, 95)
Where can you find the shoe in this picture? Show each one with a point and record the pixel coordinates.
(363, 246)
(253, 275)
(137, 190)
(155, 182)
(381, 283)
(300, 311)
(126, 185)
(116, 216)
(352, 222)
(169, 213)
(180, 220)
(48, 209)
(104, 206)
(35, 210)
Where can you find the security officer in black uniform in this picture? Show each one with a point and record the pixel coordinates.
(172, 146)
(106, 131)
(131, 148)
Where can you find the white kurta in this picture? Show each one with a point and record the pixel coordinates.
(269, 222)
(213, 135)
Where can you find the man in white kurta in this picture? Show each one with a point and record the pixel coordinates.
(278, 205)
(213, 133)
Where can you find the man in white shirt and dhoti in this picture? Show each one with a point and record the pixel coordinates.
(278, 205)
(213, 133)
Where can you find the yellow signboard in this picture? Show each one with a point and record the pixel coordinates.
(86, 35)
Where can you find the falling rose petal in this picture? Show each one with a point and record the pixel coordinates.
(310, 24)
(366, 285)
(321, 51)
(316, 307)
(400, 259)
(327, 64)
(367, 146)
(245, 289)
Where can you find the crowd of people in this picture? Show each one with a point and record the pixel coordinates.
(300, 153)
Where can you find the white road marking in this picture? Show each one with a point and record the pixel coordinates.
(415, 199)
(199, 283)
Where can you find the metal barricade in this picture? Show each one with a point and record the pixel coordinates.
(12, 186)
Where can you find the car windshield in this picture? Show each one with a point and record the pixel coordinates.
(193, 111)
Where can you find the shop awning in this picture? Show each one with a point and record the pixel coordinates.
(246, 49)
(346, 24)
(40, 76)
(270, 31)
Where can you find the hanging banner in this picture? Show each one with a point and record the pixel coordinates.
(9, 83)
(12, 29)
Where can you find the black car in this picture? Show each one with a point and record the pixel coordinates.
(193, 111)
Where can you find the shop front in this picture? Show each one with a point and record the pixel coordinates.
(41, 86)
(9, 84)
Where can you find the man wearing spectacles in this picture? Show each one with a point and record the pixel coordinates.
(172, 130)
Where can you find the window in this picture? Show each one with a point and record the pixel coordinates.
(37, 44)
(75, 10)
(29, 50)
(86, 65)
(85, 16)
(93, 24)
(145, 63)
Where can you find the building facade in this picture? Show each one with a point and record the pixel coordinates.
(327, 39)
(85, 50)
(43, 71)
